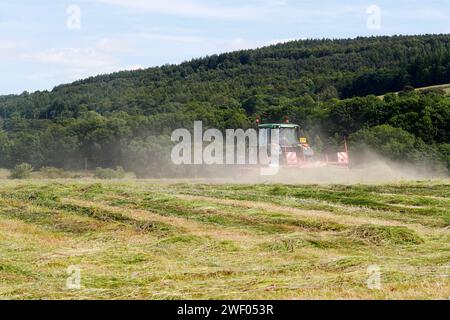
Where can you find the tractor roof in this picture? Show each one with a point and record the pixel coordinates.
(278, 126)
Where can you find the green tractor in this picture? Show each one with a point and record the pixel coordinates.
(295, 150)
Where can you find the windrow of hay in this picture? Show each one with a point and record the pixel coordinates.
(378, 235)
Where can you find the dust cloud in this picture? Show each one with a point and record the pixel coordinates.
(366, 168)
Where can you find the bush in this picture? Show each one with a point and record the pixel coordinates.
(393, 143)
(398, 145)
(444, 150)
(107, 173)
(54, 173)
(21, 171)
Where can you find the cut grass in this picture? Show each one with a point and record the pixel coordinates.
(348, 200)
(379, 235)
(142, 240)
(444, 87)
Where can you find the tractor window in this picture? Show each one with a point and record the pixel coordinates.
(288, 137)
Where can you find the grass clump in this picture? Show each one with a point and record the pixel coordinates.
(21, 171)
(54, 173)
(183, 239)
(289, 245)
(284, 245)
(378, 235)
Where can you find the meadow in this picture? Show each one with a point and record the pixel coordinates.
(166, 240)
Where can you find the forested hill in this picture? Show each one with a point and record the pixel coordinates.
(308, 80)
(328, 68)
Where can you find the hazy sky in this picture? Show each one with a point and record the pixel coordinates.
(49, 42)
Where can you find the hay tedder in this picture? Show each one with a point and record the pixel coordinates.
(294, 150)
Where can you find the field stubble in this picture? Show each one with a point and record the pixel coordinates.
(153, 240)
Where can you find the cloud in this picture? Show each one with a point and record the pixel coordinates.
(133, 67)
(198, 9)
(191, 44)
(219, 44)
(73, 57)
(115, 46)
(76, 62)
(239, 44)
(11, 49)
(171, 37)
(278, 41)
(263, 11)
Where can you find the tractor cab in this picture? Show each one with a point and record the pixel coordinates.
(289, 133)
(293, 147)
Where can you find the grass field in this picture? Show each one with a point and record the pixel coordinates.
(444, 87)
(149, 240)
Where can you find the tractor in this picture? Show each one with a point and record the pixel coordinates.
(295, 151)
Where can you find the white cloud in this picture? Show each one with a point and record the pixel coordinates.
(196, 8)
(115, 46)
(239, 44)
(208, 44)
(7, 46)
(274, 11)
(75, 62)
(133, 67)
(10, 49)
(278, 41)
(419, 11)
(171, 37)
(73, 57)
(220, 44)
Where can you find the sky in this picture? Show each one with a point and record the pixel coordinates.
(44, 43)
